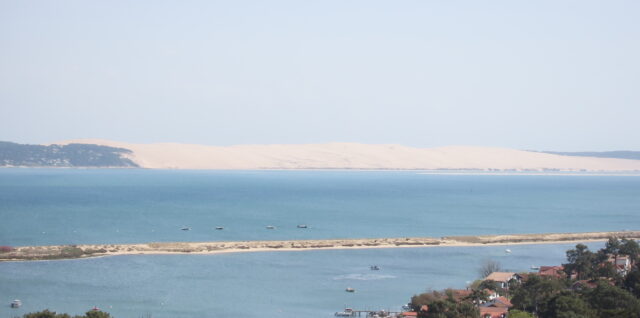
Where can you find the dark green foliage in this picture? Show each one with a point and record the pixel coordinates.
(632, 282)
(444, 305)
(519, 314)
(533, 294)
(630, 248)
(567, 305)
(52, 314)
(582, 262)
(72, 155)
(612, 302)
(45, 314)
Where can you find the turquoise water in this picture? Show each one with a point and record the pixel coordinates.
(269, 284)
(56, 206)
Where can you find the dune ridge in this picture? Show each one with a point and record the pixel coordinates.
(355, 156)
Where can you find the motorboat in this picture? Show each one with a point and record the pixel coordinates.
(348, 312)
(508, 251)
(186, 228)
(270, 227)
(350, 290)
(16, 303)
(374, 268)
(535, 268)
(302, 226)
(219, 228)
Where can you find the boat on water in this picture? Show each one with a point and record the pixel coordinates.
(219, 228)
(350, 290)
(348, 312)
(535, 268)
(16, 303)
(302, 226)
(270, 227)
(186, 228)
(508, 251)
(374, 268)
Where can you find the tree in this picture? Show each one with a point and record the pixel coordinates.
(567, 305)
(488, 267)
(612, 302)
(581, 261)
(97, 314)
(45, 314)
(519, 314)
(533, 294)
(632, 282)
(630, 248)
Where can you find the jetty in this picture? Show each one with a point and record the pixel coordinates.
(25, 253)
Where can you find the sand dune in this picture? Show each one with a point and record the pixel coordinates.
(355, 156)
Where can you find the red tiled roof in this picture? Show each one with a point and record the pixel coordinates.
(500, 276)
(495, 312)
(551, 271)
(409, 314)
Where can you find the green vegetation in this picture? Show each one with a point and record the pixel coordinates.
(52, 314)
(72, 155)
(602, 284)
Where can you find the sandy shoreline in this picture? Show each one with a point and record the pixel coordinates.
(32, 253)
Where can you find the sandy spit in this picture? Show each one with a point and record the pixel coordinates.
(29, 253)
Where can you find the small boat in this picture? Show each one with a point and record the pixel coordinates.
(535, 268)
(374, 268)
(348, 312)
(95, 308)
(350, 290)
(270, 227)
(508, 251)
(186, 228)
(302, 226)
(16, 303)
(219, 228)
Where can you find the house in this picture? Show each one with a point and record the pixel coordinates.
(622, 263)
(493, 312)
(552, 271)
(499, 302)
(503, 278)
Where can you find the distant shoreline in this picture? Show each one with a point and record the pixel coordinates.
(53, 252)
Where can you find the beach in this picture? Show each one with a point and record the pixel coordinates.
(28, 253)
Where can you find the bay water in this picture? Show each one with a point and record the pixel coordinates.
(82, 206)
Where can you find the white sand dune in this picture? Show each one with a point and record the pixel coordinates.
(355, 156)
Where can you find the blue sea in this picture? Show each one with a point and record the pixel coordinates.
(80, 206)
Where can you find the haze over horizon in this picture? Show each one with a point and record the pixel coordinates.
(554, 76)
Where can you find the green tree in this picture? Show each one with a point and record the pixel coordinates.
(632, 282)
(630, 248)
(567, 305)
(45, 314)
(612, 302)
(97, 314)
(519, 314)
(581, 261)
(533, 294)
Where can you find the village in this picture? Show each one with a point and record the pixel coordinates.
(598, 284)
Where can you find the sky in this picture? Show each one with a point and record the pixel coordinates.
(542, 75)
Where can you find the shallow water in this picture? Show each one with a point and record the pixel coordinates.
(67, 206)
(263, 284)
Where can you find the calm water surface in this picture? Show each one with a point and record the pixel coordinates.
(57, 206)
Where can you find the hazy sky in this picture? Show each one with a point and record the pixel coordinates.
(553, 75)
